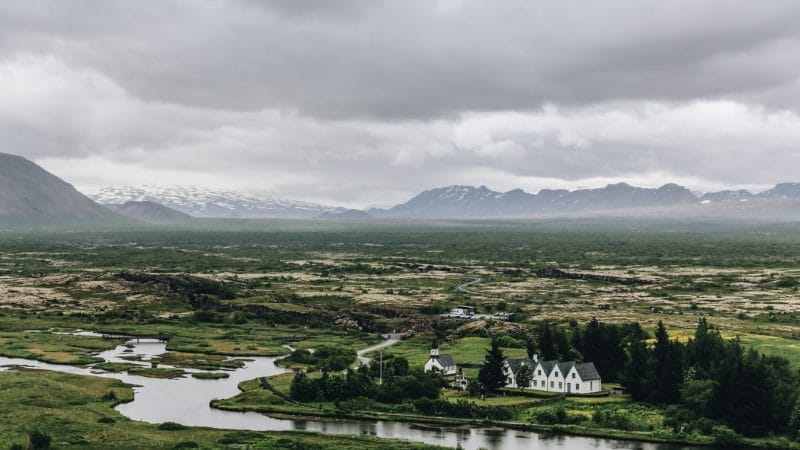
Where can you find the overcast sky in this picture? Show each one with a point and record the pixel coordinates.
(368, 102)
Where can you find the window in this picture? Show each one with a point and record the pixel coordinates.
(534, 383)
(540, 372)
(556, 373)
(560, 385)
(551, 384)
(577, 387)
(573, 375)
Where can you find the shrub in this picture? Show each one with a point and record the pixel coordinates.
(38, 440)
(613, 419)
(171, 426)
(725, 436)
(106, 420)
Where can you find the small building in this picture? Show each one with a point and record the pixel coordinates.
(462, 311)
(566, 377)
(441, 363)
(395, 335)
(502, 315)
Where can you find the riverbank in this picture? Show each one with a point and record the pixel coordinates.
(77, 411)
(256, 398)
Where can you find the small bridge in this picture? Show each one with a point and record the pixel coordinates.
(138, 336)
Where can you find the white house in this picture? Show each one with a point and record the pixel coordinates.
(444, 364)
(462, 311)
(553, 376)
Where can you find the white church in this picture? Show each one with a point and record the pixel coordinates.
(444, 364)
(554, 376)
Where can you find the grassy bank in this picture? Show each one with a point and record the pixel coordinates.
(77, 412)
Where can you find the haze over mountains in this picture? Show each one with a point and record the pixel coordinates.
(200, 202)
(150, 212)
(31, 195)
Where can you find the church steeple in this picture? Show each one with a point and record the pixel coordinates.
(435, 349)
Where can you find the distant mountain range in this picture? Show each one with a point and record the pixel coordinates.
(31, 196)
(468, 201)
(199, 202)
(443, 203)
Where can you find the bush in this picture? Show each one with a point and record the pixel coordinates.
(333, 359)
(186, 444)
(38, 440)
(613, 419)
(556, 416)
(725, 436)
(171, 426)
(106, 420)
(461, 408)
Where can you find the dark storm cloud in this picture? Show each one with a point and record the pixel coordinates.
(417, 59)
(369, 101)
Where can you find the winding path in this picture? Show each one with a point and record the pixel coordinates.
(465, 287)
(364, 360)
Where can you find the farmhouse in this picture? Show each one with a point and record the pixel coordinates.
(553, 376)
(444, 364)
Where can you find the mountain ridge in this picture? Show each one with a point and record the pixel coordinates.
(208, 203)
(32, 196)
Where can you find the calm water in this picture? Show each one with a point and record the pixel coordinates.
(186, 401)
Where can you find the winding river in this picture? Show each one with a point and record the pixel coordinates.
(186, 400)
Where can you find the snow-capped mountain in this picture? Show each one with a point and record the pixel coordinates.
(782, 190)
(468, 201)
(726, 196)
(200, 202)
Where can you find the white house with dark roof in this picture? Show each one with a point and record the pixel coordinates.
(554, 376)
(441, 363)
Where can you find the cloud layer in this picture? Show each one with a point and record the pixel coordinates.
(359, 103)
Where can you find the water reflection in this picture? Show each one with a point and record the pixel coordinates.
(186, 400)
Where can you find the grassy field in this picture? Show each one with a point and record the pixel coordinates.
(253, 291)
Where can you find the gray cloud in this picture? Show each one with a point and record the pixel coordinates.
(369, 101)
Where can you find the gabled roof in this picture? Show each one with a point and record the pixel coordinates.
(587, 371)
(547, 366)
(565, 367)
(515, 363)
(447, 360)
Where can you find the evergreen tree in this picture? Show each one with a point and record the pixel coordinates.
(530, 347)
(524, 376)
(491, 373)
(561, 342)
(546, 343)
(794, 421)
(302, 388)
(636, 370)
(666, 372)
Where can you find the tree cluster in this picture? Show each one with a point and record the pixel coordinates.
(399, 384)
(712, 381)
(324, 358)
